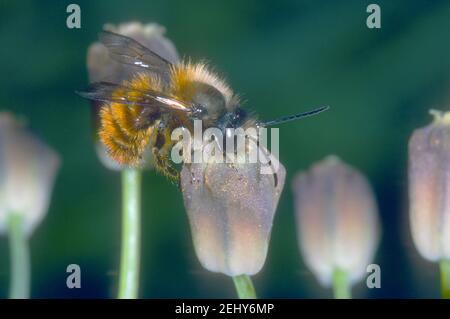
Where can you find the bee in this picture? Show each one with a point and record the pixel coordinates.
(140, 113)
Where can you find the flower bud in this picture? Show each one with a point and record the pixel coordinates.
(102, 68)
(231, 209)
(429, 182)
(337, 219)
(27, 171)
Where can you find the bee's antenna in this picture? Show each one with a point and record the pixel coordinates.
(295, 117)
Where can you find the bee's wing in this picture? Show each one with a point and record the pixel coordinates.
(116, 93)
(126, 50)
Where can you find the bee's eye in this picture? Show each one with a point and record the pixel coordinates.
(239, 114)
(199, 111)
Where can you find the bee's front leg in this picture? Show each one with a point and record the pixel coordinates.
(161, 150)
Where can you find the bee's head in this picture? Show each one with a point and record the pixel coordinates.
(210, 106)
(209, 103)
(232, 119)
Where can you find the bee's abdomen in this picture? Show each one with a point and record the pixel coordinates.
(124, 141)
(126, 129)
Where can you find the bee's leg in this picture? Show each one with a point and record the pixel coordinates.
(162, 165)
(161, 149)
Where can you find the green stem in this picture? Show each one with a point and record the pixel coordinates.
(341, 286)
(20, 258)
(244, 287)
(131, 233)
(445, 278)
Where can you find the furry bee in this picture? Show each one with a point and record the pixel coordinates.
(141, 112)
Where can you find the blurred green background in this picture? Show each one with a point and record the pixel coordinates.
(283, 57)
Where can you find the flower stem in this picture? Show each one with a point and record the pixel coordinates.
(244, 287)
(131, 233)
(341, 286)
(445, 278)
(20, 258)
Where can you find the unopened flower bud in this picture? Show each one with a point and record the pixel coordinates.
(429, 188)
(231, 209)
(27, 171)
(337, 219)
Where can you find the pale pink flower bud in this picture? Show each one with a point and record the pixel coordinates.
(230, 210)
(28, 168)
(429, 188)
(337, 219)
